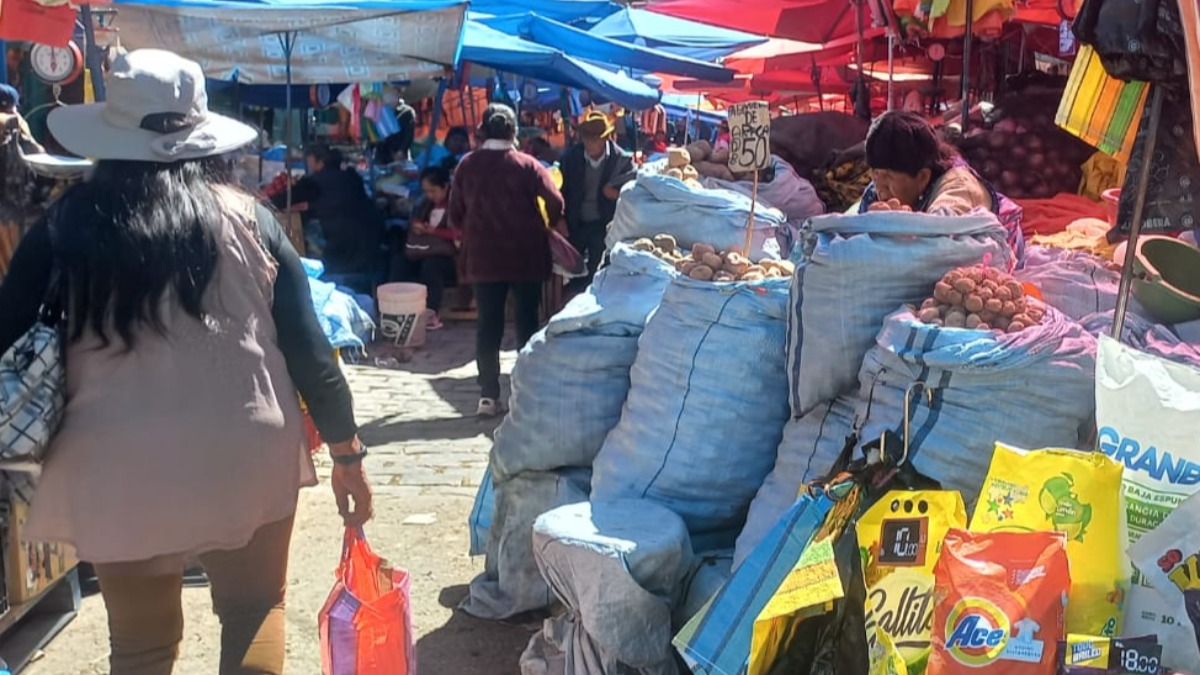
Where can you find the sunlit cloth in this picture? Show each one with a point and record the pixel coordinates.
(1100, 109)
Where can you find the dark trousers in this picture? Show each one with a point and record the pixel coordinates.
(588, 239)
(436, 272)
(492, 301)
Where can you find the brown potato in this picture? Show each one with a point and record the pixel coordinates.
(724, 277)
(1016, 327)
(754, 276)
(1004, 293)
(712, 260)
(1001, 323)
(929, 302)
(698, 250)
(994, 305)
(775, 273)
(1009, 309)
(690, 173)
(666, 243)
(673, 173)
(929, 315)
(965, 285)
(735, 266)
(755, 268)
(954, 298)
(941, 291)
(973, 321)
(702, 272)
(687, 266)
(956, 319)
(643, 244)
(973, 303)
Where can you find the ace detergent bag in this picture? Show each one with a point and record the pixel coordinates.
(1077, 494)
(900, 538)
(1000, 603)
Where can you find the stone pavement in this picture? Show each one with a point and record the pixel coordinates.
(428, 454)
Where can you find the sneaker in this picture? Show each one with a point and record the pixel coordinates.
(433, 322)
(490, 407)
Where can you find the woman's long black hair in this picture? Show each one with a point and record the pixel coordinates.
(134, 234)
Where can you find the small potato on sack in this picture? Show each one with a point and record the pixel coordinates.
(677, 158)
(690, 173)
(665, 243)
(712, 260)
(699, 249)
(929, 315)
(753, 276)
(786, 267)
(755, 269)
(673, 173)
(701, 272)
(645, 245)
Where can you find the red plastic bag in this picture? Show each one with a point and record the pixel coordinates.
(366, 624)
(1001, 600)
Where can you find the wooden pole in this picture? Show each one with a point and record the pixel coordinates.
(750, 224)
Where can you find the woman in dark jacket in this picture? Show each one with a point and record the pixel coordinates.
(430, 222)
(505, 246)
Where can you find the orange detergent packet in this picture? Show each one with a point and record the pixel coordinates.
(1000, 603)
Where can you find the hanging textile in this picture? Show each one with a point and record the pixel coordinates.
(27, 20)
(1101, 109)
(1189, 10)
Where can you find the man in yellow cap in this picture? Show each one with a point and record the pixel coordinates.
(593, 173)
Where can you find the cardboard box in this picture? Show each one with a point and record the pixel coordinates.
(30, 568)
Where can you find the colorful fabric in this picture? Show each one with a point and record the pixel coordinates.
(1100, 109)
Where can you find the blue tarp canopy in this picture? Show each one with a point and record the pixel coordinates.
(506, 53)
(334, 41)
(671, 34)
(574, 12)
(596, 48)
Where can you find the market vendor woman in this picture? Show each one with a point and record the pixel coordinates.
(912, 169)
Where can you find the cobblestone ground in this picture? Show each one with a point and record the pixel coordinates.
(428, 453)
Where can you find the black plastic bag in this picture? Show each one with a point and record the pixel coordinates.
(1136, 39)
(1174, 186)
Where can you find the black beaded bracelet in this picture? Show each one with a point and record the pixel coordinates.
(350, 460)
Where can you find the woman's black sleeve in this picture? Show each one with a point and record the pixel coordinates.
(310, 358)
(24, 288)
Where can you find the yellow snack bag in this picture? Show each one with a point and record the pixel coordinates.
(1078, 494)
(885, 658)
(900, 537)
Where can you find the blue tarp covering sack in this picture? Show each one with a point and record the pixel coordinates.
(808, 441)
(618, 566)
(570, 381)
(1168, 342)
(857, 269)
(706, 407)
(510, 583)
(345, 324)
(709, 574)
(1076, 283)
(664, 205)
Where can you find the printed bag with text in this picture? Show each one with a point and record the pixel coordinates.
(1000, 603)
(901, 539)
(1148, 417)
(366, 624)
(1169, 558)
(1078, 494)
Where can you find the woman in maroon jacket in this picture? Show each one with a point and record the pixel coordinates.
(505, 245)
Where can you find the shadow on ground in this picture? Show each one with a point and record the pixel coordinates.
(469, 646)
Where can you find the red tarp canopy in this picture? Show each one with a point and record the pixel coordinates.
(818, 21)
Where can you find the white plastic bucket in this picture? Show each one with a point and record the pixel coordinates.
(402, 313)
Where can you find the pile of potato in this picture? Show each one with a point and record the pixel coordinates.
(679, 165)
(705, 263)
(980, 298)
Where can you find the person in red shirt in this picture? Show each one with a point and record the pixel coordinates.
(505, 241)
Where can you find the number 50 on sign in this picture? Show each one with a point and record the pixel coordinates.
(750, 136)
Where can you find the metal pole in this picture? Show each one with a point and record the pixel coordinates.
(91, 53)
(968, 39)
(891, 70)
(288, 41)
(1139, 209)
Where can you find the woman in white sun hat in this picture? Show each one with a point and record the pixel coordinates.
(190, 331)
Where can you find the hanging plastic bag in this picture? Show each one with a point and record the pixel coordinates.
(1078, 494)
(1000, 603)
(1148, 417)
(901, 539)
(366, 624)
(1169, 558)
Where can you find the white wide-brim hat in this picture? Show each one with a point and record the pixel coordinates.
(156, 111)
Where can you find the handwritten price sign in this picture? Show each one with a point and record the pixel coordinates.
(750, 132)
